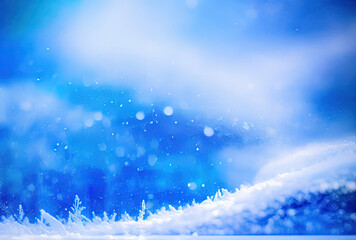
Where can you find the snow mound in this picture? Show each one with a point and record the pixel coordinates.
(314, 197)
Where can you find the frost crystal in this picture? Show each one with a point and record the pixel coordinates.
(142, 211)
(21, 215)
(76, 215)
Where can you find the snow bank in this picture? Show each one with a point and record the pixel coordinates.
(288, 201)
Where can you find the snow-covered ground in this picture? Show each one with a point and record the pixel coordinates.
(317, 173)
(184, 237)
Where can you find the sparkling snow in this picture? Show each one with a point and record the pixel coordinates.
(225, 213)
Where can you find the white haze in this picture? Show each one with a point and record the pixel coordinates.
(135, 44)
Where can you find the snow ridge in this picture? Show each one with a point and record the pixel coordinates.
(257, 209)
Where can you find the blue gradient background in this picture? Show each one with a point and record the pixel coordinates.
(62, 62)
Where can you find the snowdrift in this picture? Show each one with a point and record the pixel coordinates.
(310, 197)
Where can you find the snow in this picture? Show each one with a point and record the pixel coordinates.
(178, 237)
(192, 186)
(281, 105)
(168, 111)
(208, 131)
(225, 213)
(140, 115)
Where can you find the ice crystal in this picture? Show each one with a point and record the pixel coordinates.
(76, 214)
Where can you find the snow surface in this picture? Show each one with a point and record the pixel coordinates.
(332, 169)
(181, 237)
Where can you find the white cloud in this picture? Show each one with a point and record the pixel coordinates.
(135, 45)
(24, 105)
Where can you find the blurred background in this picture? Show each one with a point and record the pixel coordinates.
(124, 101)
